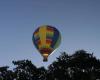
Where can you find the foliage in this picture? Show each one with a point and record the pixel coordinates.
(79, 66)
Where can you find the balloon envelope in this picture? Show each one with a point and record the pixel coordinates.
(46, 39)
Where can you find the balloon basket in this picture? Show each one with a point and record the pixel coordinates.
(45, 60)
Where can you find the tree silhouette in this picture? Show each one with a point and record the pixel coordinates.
(79, 66)
(6, 74)
(60, 69)
(42, 74)
(25, 70)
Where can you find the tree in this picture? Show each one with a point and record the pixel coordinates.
(25, 70)
(79, 66)
(59, 69)
(6, 74)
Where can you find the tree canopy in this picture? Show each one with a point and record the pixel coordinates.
(79, 66)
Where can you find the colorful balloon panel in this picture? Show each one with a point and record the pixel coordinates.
(46, 39)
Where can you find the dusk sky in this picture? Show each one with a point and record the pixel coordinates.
(77, 20)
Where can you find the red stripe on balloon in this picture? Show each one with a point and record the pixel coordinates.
(48, 41)
(45, 50)
(38, 42)
(50, 29)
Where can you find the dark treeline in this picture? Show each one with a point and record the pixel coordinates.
(79, 66)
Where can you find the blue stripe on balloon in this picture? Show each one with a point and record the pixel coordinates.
(55, 37)
(35, 39)
(35, 42)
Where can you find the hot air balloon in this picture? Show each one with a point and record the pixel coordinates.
(46, 39)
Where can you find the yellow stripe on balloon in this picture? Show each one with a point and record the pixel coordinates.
(42, 34)
(50, 33)
(39, 46)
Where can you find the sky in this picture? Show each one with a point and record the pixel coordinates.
(77, 20)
